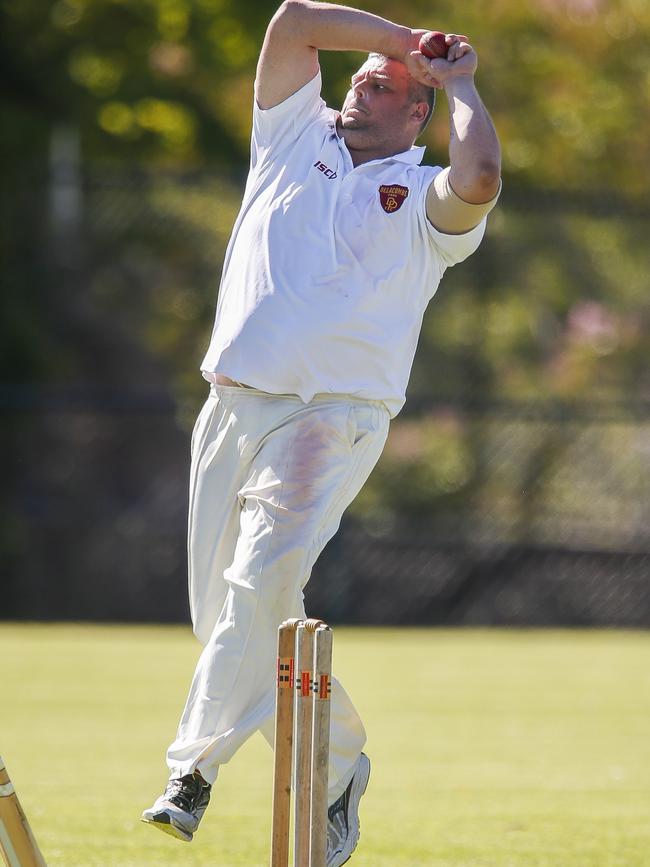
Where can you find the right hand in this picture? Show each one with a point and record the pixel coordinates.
(461, 60)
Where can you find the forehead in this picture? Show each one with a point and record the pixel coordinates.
(382, 67)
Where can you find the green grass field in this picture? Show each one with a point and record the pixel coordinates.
(489, 748)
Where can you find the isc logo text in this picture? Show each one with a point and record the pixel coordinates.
(329, 173)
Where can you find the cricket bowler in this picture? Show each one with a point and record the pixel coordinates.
(341, 241)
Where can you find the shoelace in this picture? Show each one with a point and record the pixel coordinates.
(340, 807)
(185, 792)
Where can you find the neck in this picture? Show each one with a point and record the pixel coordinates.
(365, 154)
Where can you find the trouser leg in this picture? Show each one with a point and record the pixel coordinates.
(303, 473)
(216, 475)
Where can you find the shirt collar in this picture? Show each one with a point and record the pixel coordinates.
(414, 155)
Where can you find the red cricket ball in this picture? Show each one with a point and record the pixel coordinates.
(433, 44)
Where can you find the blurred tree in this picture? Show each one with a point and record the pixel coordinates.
(171, 80)
(554, 307)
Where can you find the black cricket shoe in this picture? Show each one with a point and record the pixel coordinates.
(343, 817)
(179, 809)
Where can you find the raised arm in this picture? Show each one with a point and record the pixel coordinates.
(289, 56)
(474, 176)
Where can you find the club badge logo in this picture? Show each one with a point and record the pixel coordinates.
(392, 197)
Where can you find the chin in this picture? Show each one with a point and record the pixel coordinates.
(354, 124)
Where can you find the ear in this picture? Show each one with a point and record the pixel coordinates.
(420, 112)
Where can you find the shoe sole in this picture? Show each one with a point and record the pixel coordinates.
(163, 823)
(358, 791)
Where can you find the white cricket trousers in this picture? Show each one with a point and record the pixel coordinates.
(270, 479)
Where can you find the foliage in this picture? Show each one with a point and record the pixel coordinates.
(171, 80)
(554, 308)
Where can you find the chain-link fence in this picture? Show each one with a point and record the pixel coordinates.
(513, 489)
(94, 526)
(557, 534)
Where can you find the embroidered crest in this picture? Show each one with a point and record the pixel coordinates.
(392, 198)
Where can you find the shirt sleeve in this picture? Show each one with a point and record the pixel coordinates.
(452, 249)
(275, 128)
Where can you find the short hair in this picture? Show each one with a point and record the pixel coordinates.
(417, 92)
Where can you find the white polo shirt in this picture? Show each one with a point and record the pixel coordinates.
(330, 267)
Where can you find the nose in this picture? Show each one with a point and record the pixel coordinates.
(359, 90)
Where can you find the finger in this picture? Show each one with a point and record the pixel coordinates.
(419, 58)
(429, 76)
(438, 66)
(458, 50)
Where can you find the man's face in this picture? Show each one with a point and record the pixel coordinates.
(377, 110)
